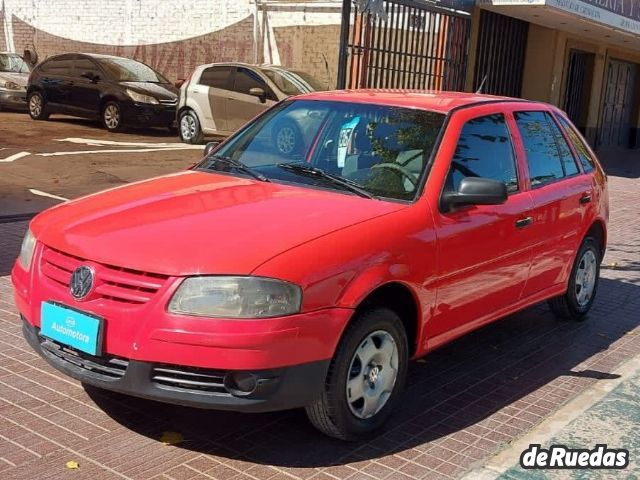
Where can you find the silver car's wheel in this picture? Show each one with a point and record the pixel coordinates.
(286, 140)
(111, 116)
(190, 131)
(372, 374)
(586, 275)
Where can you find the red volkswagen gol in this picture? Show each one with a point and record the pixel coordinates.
(260, 281)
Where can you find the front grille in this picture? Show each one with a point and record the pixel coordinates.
(115, 284)
(170, 103)
(189, 379)
(104, 368)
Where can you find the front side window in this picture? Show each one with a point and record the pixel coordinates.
(12, 63)
(548, 155)
(587, 161)
(383, 150)
(85, 66)
(484, 150)
(246, 79)
(127, 70)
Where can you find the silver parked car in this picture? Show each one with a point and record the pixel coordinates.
(219, 98)
(14, 74)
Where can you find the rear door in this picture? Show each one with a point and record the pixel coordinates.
(559, 192)
(57, 78)
(241, 105)
(210, 94)
(483, 250)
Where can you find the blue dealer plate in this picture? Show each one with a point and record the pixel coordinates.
(71, 327)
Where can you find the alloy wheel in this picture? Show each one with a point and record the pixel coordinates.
(372, 374)
(188, 127)
(35, 105)
(586, 277)
(286, 140)
(112, 116)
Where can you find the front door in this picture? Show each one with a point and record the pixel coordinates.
(84, 94)
(615, 123)
(210, 94)
(241, 105)
(483, 250)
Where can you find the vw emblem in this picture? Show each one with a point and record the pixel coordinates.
(81, 282)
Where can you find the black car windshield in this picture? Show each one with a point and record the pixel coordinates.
(13, 63)
(127, 70)
(293, 83)
(380, 149)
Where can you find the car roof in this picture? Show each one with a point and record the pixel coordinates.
(437, 101)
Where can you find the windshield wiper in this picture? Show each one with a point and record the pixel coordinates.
(304, 169)
(238, 165)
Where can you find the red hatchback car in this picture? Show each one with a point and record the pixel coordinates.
(257, 281)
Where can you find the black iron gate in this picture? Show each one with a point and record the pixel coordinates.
(403, 44)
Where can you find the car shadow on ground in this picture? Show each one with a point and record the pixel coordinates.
(144, 131)
(450, 390)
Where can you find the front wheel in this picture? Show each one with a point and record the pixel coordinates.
(583, 284)
(190, 130)
(365, 379)
(37, 106)
(287, 138)
(112, 117)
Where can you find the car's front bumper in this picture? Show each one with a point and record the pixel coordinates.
(275, 389)
(148, 115)
(13, 99)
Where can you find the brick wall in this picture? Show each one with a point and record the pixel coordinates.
(175, 36)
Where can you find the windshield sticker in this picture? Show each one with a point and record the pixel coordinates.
(344, 139)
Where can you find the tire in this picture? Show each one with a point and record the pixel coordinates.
(287, 138)
(189, 128)
(338, 412)
(37, 106)
(111, 117)
(583, 284)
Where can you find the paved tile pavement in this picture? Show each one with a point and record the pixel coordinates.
(463, 403)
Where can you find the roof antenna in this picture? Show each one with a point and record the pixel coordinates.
(479, 91)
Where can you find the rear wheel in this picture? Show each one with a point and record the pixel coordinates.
(37, 105)
(190, 130)
(112, 117)
(365, 379)
(583, 284)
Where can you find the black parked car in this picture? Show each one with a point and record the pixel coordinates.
(119, 91)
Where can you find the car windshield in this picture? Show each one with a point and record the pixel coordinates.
(382, 150)
(127, 70)
(13, 63)
(293, 83)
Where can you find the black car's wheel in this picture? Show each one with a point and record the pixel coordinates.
(189, 126)
(112, 116)
(287, 137)
(583, 283)
(365, 379)
(37, 106)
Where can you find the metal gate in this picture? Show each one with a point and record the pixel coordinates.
(578, 87)
(502, 45)
(404, 44)
(615, 124)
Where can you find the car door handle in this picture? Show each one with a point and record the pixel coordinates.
(524, 222)
(586, 198)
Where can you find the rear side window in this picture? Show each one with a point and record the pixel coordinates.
(484, 150)
(59, 66)
(216, 77)
(587, 161)
(548, 155)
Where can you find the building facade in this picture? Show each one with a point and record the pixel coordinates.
(581, 55)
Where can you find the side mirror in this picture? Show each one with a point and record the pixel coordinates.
(92, 77)
(475, 191)
(258, 92)
(209, 147)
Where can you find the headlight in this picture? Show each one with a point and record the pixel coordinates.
(26, 251)
(236, 297)
(141, 98)
(11, 86)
